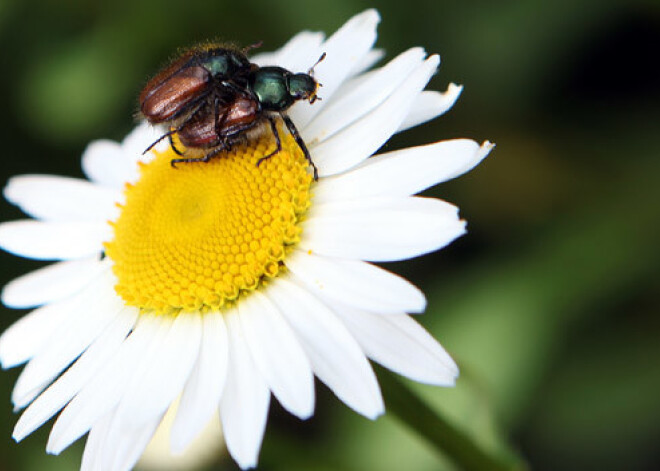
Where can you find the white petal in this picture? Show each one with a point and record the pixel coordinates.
(112, 164)
(136, 142)
(399, 343)
(53, 198)
(356, 81)
(73, 380)
(53, 240)
(297, 55)
(111, 446)
(356, 283)
(381, 229)
(403, 172)
(50, 283)
(160, 375)
(104, 163)
(360, 73)
(95, 308)
(124, 446)
(245, 401)
(94, 446)
(355, 143)
(368, 61)
(277, 354)
(334, 354)
(359, 101)
(429, 105)
(23, 339)
(345, 50)
(104, 391)
(203, 391)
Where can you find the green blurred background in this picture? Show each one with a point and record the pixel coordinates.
(549, 303)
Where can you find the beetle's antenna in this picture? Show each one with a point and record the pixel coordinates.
(310, 72)
(256, 45)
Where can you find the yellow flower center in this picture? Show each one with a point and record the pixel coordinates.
(198, 236)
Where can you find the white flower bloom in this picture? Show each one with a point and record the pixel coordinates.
(224, 282)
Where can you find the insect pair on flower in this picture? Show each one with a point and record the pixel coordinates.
(212, 97)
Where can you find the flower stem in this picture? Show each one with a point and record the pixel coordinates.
(446, 437)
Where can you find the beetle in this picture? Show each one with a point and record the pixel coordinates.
(212, 96)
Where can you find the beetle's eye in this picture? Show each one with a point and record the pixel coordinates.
(302, 86)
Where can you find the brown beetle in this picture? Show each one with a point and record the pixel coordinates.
(212, 95)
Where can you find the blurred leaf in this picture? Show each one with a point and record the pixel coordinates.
(517, 42)
(384, 444)
(445, 436)
(73, 90)
(6, 7)
(601, 405)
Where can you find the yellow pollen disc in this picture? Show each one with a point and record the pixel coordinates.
(198, 236)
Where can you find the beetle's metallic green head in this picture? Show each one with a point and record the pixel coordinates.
(303, 87)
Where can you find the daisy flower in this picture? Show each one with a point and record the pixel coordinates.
(219, 283)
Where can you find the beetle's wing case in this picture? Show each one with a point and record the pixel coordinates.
(242, 114)
(175, 95)
(154, 83)
(190, 57)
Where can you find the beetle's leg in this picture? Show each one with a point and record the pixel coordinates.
(294, 132)
(273, 127)
(195, 105)
(176, 151)
(233, 87)
(219, 123)
(204, 158)
(168, 134)
(173, 131)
